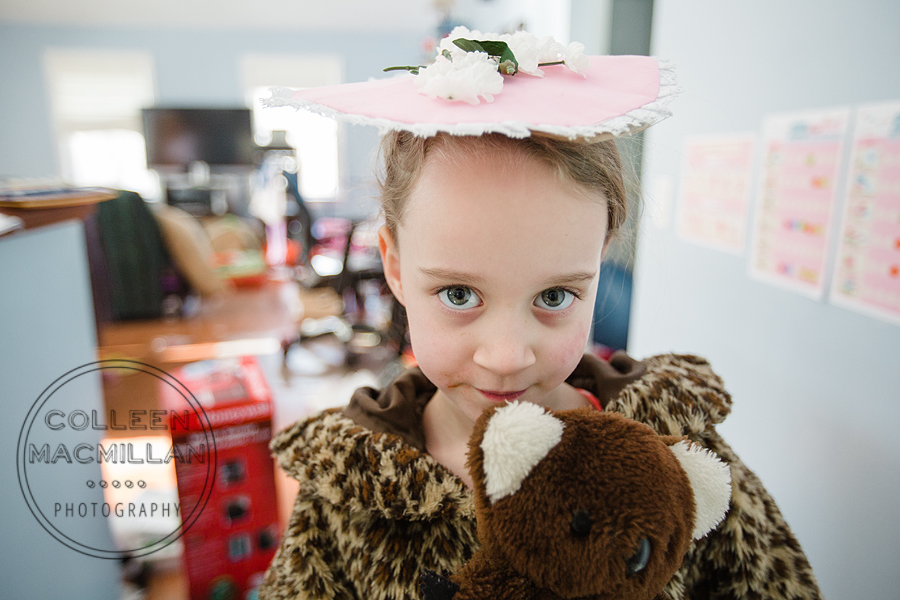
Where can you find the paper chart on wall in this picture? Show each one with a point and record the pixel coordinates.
(800, 168)
(867, 266)
(715, 191)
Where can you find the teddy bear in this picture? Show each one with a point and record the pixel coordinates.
(581, 504)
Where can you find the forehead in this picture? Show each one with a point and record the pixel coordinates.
(501, 213)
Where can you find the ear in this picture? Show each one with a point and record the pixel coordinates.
(517, 437)
(390, 261)
(710, 481)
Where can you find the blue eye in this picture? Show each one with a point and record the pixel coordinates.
(556, 299)
(458, 297)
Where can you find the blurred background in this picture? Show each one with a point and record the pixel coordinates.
(155, 212)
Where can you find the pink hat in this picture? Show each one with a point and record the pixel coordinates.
(612, 96)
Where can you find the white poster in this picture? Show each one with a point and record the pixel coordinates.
(867, 266)
(795, 202)
(715, 191)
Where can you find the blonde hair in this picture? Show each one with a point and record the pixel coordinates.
(594, 166)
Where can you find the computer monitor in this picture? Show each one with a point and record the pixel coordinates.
(178, 137)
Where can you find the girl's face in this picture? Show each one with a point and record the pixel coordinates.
(496, 263)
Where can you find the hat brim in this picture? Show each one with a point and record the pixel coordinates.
(619, 95)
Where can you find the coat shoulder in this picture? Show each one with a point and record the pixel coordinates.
(348, 465)
(679, 394)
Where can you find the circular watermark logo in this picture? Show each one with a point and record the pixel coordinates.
(77, 462)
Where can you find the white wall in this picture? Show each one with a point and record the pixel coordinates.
(816, 387)
(540, 17)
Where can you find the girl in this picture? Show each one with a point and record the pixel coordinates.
(493, 244)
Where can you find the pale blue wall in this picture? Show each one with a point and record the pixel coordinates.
(816, 387)
(46, 330)
(193, 67)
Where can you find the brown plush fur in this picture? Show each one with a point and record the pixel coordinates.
(618, 470)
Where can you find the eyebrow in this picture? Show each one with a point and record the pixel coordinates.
(467, 279)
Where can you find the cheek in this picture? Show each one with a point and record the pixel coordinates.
(423, 333)
(569, 348)
(437, 349)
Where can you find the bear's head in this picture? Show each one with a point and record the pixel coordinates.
(589, 503)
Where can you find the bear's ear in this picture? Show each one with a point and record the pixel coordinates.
(517, 437)
(710, 481)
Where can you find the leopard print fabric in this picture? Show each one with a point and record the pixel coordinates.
(373, 513)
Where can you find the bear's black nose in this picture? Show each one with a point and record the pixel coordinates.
(581, 522)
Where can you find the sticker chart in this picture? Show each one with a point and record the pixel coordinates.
(867, 269)
(715, 192)
(795, 203)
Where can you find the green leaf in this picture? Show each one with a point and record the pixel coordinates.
(508, 63)
(412, 69)
(469, 45)
(495, 48)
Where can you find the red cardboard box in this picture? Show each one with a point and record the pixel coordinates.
(232, 528)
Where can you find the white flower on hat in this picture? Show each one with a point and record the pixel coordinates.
(550, 50)
(446, 44)
(575, 58)
(464, 78)
(527, 49)
(471, 64)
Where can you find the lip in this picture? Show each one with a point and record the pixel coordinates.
(501, 396)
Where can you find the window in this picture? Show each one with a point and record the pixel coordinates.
(96, 98)
(314, 138)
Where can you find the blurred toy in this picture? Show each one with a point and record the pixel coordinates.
(581, 504)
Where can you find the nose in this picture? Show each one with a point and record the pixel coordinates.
(505, 348)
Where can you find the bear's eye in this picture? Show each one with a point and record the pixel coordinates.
(640, 558)
(581, 522)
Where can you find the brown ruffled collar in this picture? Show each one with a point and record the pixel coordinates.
(397, 409)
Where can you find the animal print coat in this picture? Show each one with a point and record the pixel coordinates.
(374, 510)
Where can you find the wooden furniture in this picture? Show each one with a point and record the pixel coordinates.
(46, 209)
(248, 321)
